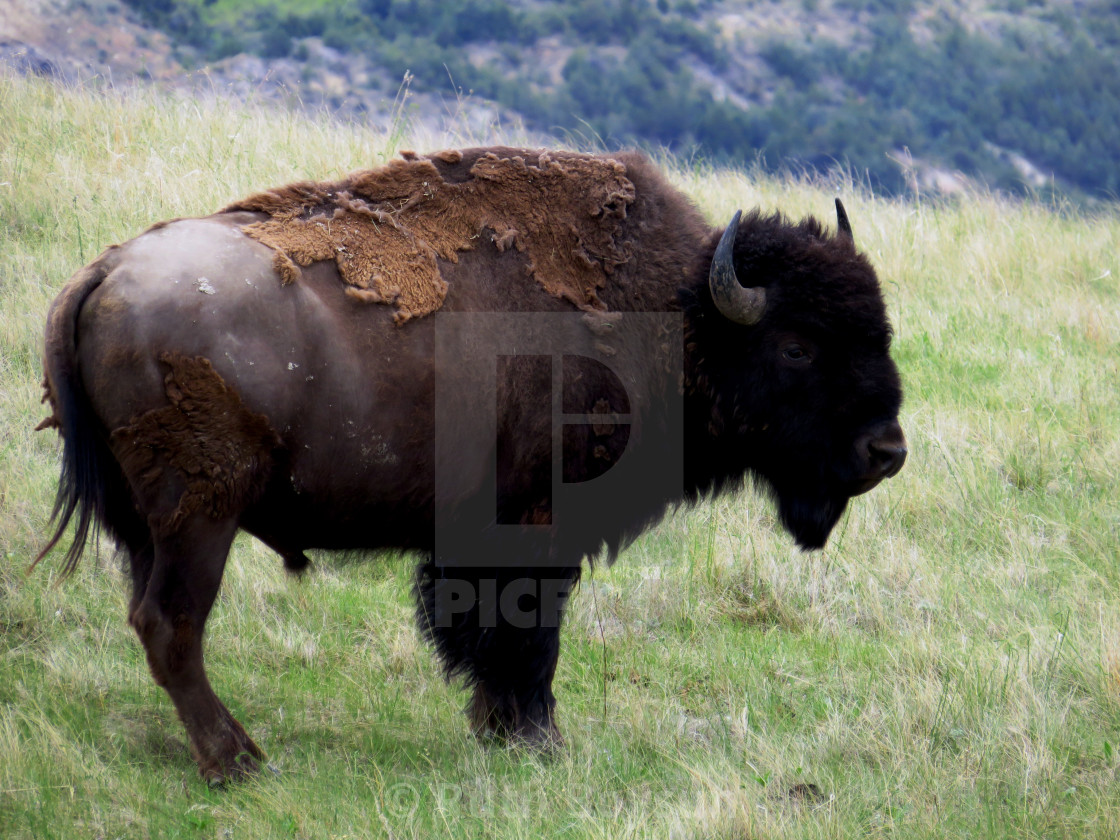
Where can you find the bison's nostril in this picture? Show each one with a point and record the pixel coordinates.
(886, 458)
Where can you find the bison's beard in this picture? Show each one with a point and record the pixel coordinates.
(810, 520)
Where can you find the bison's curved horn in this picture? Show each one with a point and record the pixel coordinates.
(842, 222)
(736, 303)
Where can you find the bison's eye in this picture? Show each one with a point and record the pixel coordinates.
(796, 354)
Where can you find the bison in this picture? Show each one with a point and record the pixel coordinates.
(507, 361)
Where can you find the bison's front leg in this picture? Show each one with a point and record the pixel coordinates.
(175, 580)
(500, 629)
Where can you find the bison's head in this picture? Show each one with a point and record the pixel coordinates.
(789, 360)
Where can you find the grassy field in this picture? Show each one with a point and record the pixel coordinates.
(948, 667)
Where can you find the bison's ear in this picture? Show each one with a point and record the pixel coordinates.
(736, 303)
(842, 223)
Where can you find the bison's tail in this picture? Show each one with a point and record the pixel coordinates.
(88, 467)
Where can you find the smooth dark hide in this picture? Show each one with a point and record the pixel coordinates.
(359, 365)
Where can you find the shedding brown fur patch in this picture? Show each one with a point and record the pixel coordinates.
(220, 449)
(385, 228)
(375, 256)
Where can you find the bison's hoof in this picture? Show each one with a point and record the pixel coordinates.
(236, 759)
(544, 739)
(242, 766)
(496, 722)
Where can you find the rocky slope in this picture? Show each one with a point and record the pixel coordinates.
(102, 42)
(803, 82)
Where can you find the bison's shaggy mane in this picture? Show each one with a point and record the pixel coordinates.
(387, 228)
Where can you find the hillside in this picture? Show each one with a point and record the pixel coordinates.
(911, 95)
(948, 667)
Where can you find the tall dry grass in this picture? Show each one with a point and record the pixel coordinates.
(949, 666)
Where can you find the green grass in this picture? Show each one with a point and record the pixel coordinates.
(949, 666)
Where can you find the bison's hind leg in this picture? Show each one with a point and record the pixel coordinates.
(176, 578)
(499, 628)
(194, 463)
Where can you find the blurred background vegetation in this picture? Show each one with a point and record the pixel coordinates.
(1022, 95)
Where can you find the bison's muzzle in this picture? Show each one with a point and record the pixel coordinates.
(882, 451)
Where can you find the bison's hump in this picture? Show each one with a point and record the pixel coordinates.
(387, 229)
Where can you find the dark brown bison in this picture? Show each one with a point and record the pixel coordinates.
(509, 361)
